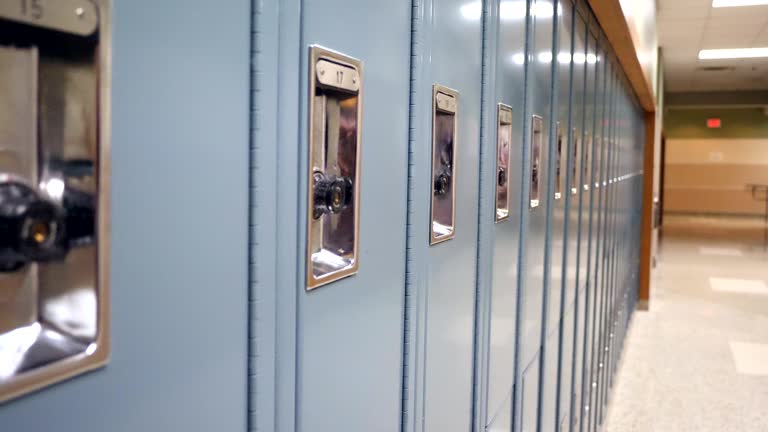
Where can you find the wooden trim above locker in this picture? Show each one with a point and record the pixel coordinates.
(646, 233)
(614, 25)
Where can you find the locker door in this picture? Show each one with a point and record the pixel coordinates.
(580, 217)
(329, 336)
(621, 228)
(569, 333)
(536, 133)
(500, 238)
(602, 347)
(599, 222)
(560, 194)
(588, 219)
(179, 152)
(442, 214)
(607, 314)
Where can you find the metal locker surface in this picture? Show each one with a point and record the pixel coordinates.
(579, 217)
(528, 420)
(329, 358)
(499, 241)
(561, 158)
(588, 218)
(565, 373)
(603, 280)
(561, 144)
(598, 222)
(503, 420)
(178, 300)
(441, 277)
(599, 238)
(534, 220)
(548, 407)
(608, 317)
(607, 283)
(534, 215)
(536, 151)
(570, 108)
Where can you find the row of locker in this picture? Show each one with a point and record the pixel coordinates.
(410, 215)
(478, 267)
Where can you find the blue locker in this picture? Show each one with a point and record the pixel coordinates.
(486, 157)
(559, 291)
(588, 220)
(499, 239)
(536, 135)
(580, 217)
(573, 39)
(623, 202)
(441, 274)
(602, 346)
(328, 357)
(615, 233)
(179, 299)
(598, 222)
(607, 286)
(602, 156)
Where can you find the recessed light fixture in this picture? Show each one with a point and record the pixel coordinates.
(732, 53)
(736, 3)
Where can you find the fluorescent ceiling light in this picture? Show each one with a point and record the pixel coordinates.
(735, 53)
(735, 3)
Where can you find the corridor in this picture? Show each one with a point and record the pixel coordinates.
(698, 360)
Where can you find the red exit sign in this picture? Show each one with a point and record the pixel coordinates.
(714, 123)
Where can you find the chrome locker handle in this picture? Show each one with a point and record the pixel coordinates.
(503, 155)
(445, 108)
(335, 115)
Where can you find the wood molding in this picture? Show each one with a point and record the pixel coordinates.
(646, 233)
(614, 24)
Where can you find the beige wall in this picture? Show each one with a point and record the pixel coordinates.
(709, 175)
(641, 20)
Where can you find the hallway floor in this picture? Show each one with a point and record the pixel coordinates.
(698, 360)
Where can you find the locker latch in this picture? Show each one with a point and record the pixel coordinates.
(54, 191)
(537, 141)
(444, 119)
(334, 166)
(503, 149)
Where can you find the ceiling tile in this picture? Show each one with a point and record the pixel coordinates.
(677, 51)
(716, 41)
(686, 26)
(689, 42)
(751, 13)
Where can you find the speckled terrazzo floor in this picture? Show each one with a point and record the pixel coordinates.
(695, 361)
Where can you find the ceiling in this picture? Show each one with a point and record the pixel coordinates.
(687, 26)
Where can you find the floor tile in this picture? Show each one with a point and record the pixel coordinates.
(750, 358)
(695, 361)
(738, 286)
(720, 251)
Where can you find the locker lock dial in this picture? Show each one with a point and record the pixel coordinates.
(31, 228)
(502, 177)
(442, 184)
(35, 229)
(332, 194)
